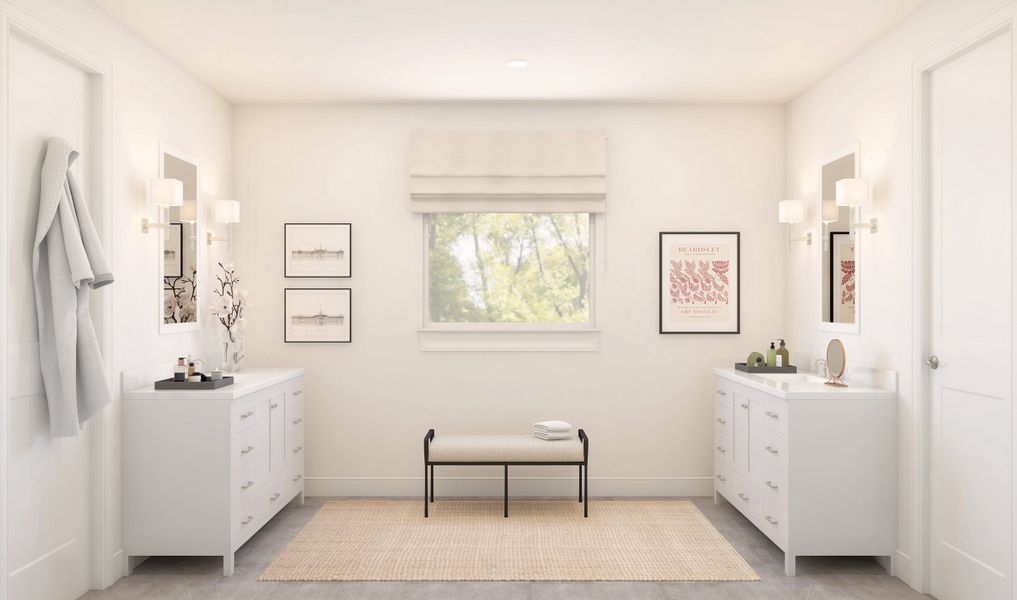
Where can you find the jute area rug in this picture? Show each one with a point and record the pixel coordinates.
(542, 540)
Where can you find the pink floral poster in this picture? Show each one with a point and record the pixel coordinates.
(699, 282)
(845, 288)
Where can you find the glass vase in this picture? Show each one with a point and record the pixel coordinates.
(232, 351)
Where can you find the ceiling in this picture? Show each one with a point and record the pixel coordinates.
(456, 50)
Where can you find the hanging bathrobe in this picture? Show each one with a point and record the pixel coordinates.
(67, 264)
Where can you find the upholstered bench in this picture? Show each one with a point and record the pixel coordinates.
(505, 450)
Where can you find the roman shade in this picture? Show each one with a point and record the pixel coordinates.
(508, 171)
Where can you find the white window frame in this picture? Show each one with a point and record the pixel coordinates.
(509, 337)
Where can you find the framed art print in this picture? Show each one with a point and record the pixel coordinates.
(842, 277)
(317, 315)
(317, 249)
(700, 282)
(172, 251)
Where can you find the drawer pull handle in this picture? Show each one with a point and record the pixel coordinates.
(247, 450)
(247, 520)
(721, 449)
(721, 477)
(745, 405)
(247, 485)
(274, 497)
(247, 414)
(298, 392)
(297, 421)
(772, 520)
(772, 450)
(771, 485)
(721, 421)
(297, 478)
(772, 415)
(297, 449)
(722, 392)
(743, 496)
(273, 406)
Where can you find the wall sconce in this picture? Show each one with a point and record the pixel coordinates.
(791, 212)
(855, 193)
(227, 212)
(163, 193)
(831, 212)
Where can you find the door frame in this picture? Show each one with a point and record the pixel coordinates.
(15, 21)
(996, 23)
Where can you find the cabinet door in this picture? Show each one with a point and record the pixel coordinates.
(757, 438)
(741, 430)
(277, 444)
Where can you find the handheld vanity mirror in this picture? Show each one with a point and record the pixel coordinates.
(835, 363)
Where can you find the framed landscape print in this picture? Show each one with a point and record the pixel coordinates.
(173, 251)
(317, 315)
(700, 282)
(317, 249)
(843, 290)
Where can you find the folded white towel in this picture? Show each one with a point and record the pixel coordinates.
(553, 426)
(551, 436)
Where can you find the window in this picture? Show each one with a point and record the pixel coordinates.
(509, 270)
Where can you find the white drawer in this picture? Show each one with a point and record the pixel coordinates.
(295, 416)
(774, 448)
(246, 518)
(774, 484)
(243, 414)
(722, 391)
(722, 449)
(276, 496)
(244, 448)
(723, 417)
(295, 444)
(295, 392)
(773, 522)
(295, 475)
(746, 497)
(244, 484)
(775, 413)
(722, 477)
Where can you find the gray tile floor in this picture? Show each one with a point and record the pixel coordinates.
(201, 578)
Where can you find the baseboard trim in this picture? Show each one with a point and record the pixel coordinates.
(905, 570)
(518, 486)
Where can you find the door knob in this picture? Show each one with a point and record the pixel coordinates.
(933, 362)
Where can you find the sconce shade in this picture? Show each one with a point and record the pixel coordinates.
(189, 211)
(791, 211)
(852, 192)
(831, 213)
(166, 192)
(227, 211)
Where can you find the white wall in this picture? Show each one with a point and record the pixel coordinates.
(153, 100)
(869, 100)
(645, 399)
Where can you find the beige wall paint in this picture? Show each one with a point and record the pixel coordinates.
(645, 399)
(869, 100)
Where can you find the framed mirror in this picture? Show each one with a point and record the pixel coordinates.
(839, 246)
(182, 255)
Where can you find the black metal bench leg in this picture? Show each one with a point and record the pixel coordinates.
(580, 483)
(586, 491)
(506, 491)
(425, 490)
(432, 483)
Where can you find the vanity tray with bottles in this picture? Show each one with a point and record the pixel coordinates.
(777, 360)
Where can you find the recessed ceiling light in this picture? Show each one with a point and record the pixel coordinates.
(518, 63)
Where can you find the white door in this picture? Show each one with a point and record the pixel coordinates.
(970, 308)
(48, 483)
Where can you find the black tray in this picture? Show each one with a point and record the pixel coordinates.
(748, 369)
(170, 384)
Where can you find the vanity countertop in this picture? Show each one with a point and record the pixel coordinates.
(802, 386)
(245, 382)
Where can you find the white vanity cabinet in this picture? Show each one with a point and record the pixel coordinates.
(812, 466)
(205, 469)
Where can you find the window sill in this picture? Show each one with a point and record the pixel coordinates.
(509, 340)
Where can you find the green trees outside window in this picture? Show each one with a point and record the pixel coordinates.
(509, 268)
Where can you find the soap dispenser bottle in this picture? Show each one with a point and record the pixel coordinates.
(783, 355)
(771, 356)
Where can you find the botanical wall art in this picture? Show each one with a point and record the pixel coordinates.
(172, 251)
(699, 282)
(317, 249)
(842, 280)
(317, 315)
